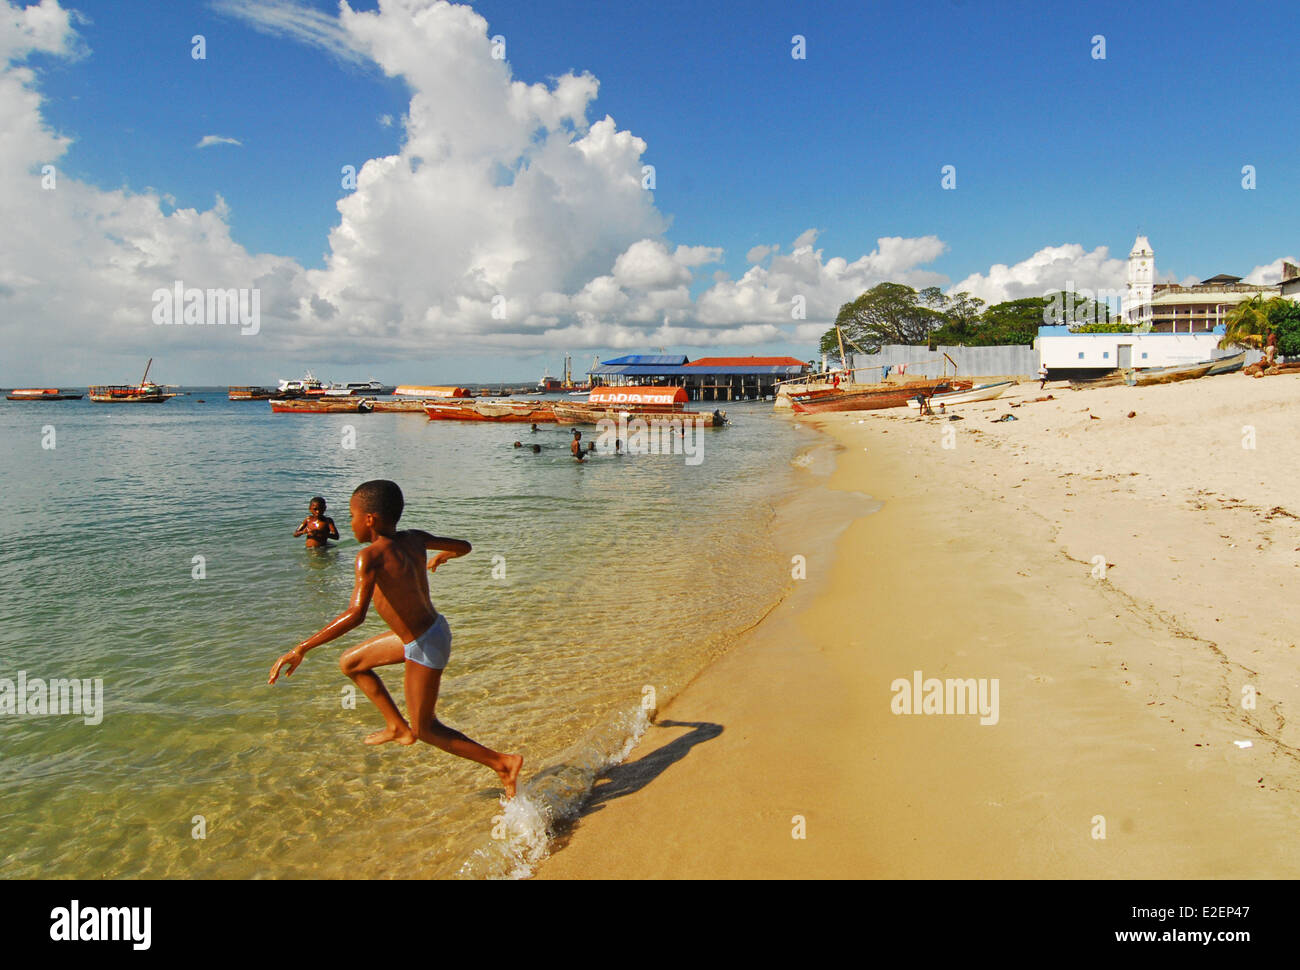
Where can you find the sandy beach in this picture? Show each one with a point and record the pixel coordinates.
(1124, 580)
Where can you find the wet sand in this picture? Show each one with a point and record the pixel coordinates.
(1121, 693)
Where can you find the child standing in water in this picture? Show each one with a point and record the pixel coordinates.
(391, 571)
(318, 526)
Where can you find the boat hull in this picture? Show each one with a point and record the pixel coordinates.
(1227, 365)
(589, 414)
(1167, 375)
(318, 405)
(986, 392)
(43, 394)
(895, 397)
(518, 412)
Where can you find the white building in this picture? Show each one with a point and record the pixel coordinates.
(1141, 283)
(1174, 308)
(1063, 351)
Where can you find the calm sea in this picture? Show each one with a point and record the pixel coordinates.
(587, 584)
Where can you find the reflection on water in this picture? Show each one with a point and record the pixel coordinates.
(587, 583)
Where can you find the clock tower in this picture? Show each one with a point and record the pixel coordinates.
(1141, 283)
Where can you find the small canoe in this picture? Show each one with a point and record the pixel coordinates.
(985, 392)
(41, 394)
(1167, 375)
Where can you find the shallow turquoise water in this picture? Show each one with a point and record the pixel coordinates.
(621, 573)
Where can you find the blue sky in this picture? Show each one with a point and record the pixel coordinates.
(750, 146)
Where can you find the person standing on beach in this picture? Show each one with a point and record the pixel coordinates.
(1042, 375)
(391, 572)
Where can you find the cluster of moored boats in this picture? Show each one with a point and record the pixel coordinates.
(458, 404)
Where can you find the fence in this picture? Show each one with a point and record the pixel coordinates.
(1015, 360)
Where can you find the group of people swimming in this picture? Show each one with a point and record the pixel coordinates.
(575, 446)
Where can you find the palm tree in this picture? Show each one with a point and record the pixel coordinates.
(1247, 323)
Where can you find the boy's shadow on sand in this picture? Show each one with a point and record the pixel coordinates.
(631, 776)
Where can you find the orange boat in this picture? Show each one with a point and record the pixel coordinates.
(607, 403)
(536, 412)
(431, 391)
(41, 394)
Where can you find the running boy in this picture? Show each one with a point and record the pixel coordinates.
(391, 571)
(318, 526)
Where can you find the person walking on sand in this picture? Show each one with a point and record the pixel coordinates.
(391, 572)
(1042, 375)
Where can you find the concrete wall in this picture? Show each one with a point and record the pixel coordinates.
(1007, 361)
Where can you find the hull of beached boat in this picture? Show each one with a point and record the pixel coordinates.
(320, 405)
(985, 392)
(1227, 365)
(1110, 380)
(1167, 375)
(520, 412)
(593, 414)
(890, 397)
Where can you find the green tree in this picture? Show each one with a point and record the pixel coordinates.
(888, 313)
(1247, 324)
(1284, 318)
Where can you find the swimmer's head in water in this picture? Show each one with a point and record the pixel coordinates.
(519, 444)
(379, 498)
(317, 504)
(537, 449)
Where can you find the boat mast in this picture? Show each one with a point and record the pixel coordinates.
(146, 372)
(843, 360)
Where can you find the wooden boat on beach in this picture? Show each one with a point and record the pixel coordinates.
(1227, 365)
(1113, 379)
(41, 394)
(885, 396)
(534, 412)
(985, 392)
(322, 405)
(1167, 375)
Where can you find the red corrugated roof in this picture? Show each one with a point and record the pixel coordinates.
(746, 362)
